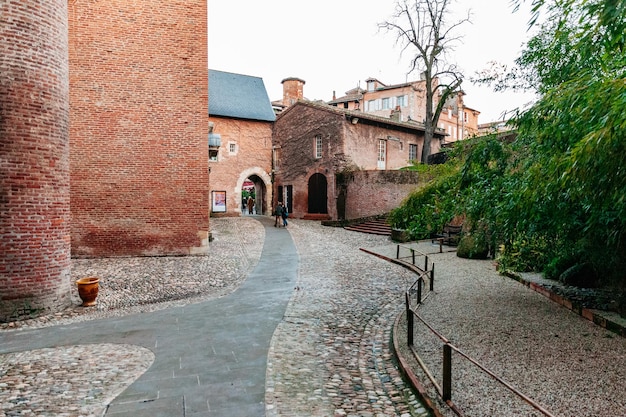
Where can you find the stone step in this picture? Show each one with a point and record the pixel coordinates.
(375, 227)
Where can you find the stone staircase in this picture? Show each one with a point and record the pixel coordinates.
(375, 227)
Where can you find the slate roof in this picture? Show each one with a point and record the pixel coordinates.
(239, 96)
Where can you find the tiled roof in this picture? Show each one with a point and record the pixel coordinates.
(356, 114)
(344, 99)
(239, 96)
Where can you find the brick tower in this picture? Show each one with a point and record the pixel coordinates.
(293, 90)
(34, 158)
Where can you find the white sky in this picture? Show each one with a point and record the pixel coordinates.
(335, 44)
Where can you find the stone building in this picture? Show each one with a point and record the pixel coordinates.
(240, 142)
(407, 102)
(103, 139)
(457, 120)
(338, 164)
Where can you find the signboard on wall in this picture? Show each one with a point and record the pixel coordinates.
(219, 201)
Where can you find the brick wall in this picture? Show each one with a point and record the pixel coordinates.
(362, 141)
(252, 141)
(138, 127)
(34, 158)
(371, 193)
(346, 147)
(294, 134)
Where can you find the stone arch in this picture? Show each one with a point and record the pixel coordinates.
(262, 183)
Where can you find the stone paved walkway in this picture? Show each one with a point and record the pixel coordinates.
(339, 323)
(325, 354)
(329, 354)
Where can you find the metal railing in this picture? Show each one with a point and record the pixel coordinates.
(410, 256)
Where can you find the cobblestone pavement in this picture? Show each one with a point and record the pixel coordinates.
(329, 357)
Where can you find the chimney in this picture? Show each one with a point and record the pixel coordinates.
(293, 90)
(396, 114)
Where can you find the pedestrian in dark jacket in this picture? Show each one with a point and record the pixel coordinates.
(278, 213)
(284, 216)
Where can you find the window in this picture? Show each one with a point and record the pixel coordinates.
(412, 152)
(213, 154)
(371, 105)
(371, 85)
(318, 146)
(232, 148)
(402, 101)
(382, 153)
(276, 156)
(386, 104)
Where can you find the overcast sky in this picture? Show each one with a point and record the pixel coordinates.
(335, 45)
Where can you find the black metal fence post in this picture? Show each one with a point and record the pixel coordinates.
(432, 278)
(419, 290)
(409, 319)
(447, 372)
(397, 251)
(426, 263)
(413, 255)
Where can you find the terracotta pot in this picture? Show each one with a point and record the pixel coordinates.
(88, 290)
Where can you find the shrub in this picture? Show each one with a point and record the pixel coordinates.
(473, 246)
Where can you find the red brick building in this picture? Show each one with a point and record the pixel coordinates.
(332, 163)
(457, 120)
(138, 127)
(103, 134)
(34, 158)
(240, 142)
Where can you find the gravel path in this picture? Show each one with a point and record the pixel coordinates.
(566, 363)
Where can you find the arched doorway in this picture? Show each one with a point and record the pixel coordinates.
(318, 194)
(253, 187)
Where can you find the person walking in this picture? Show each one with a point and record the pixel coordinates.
(284, 216)
(278, 213)
(250, 205)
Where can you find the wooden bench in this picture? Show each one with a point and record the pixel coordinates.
(450, 236)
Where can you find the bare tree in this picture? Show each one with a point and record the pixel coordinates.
(422, 24)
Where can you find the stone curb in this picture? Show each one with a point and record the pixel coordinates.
(405, 368)
(408, 374)
(595, 316)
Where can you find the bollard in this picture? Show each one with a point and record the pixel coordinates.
(413, 255)
(409, 319)
(419, 290)
(432, 278)
(398, 252)
(426, 263)
(447, 373)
